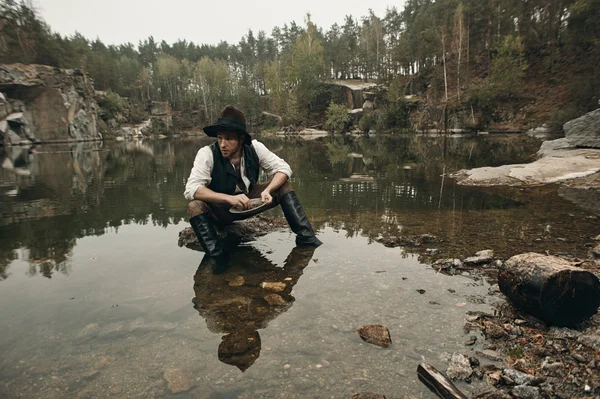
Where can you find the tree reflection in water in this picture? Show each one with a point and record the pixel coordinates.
(239, 311)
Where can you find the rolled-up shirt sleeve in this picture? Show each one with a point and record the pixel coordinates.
(200, 174)
(270, 162)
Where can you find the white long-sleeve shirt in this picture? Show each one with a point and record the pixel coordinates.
(203, 165)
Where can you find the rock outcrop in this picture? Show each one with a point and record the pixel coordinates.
(585, 130)
(558, 162)
(43, 104)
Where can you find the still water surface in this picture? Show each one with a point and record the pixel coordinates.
(98, 300)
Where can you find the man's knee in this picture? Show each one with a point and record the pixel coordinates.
(283, 190)
(196, 208)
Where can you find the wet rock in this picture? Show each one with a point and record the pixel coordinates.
(596, 251)
(88, 331)
(459, 367)
(446, 264)
(490, 354)
(375, 334)
(481, 257)
(427, 238)
(421, 291)
(526, 392)
(275, 300)
(237, 282)
(368, 395)
(517, 377)
(178, 380)
(273, 286)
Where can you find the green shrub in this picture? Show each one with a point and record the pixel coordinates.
(393, 117)
(484, 102)
(112, 104)
(338, 120)
(562, 116)
(366, 122)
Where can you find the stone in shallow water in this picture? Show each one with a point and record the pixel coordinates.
(375, 334)
(273, 286)
(179, 380)
(275, 300)
(481, 257)
(237, 282)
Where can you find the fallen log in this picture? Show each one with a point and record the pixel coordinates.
(438, 383)
(550, 288)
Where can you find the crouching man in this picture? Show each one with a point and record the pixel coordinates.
(225, 175)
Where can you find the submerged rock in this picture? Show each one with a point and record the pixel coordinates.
(179, 380)
(446, 264)
(273, 286)
(481, 257)
(375, 334)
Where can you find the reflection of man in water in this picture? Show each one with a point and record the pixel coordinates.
(235, 304)
(225, 175)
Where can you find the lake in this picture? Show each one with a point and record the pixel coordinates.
(98, 300)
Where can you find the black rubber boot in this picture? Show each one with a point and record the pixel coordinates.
(215, 257)
(298, 221)
(204, 229)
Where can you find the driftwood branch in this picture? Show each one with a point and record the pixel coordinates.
(438, 383)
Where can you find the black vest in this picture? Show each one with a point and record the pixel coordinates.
(224, 176)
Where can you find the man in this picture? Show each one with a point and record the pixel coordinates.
(225, 175)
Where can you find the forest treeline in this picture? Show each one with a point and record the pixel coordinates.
(470, 51)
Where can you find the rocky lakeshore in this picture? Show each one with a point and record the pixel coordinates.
(573, 160)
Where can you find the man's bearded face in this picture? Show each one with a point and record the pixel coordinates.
(229, 143)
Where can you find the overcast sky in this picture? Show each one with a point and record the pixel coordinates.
(200, 21)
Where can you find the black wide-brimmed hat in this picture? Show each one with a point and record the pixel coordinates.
(231, 120)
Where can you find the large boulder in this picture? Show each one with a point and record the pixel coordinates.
(52, 104)
(585, 130)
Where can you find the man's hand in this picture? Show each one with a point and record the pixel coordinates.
(239, 201)
(265, 196)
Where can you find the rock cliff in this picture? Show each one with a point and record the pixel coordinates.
(43, 104)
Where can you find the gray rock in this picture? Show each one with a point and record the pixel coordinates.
(368, 105)
(596, 251)
(526, 392)
(540, 132)
(490, 354)
(446, 264)
(481, 257)
(585, 130)
(518, 377)
(50, 104)
(459, 367)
